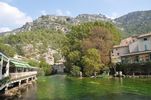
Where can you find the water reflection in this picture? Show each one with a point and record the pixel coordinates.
(27, 92)
(30, 92)
(60, 87)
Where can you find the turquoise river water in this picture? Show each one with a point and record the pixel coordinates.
(62, 87)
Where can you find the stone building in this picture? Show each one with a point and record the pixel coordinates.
(133, 50)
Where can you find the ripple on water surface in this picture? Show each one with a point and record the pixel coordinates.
(60, 87)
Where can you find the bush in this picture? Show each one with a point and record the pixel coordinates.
(91, 62)
(75, 71)
(137, 68)
(46, 67)
(7, 50)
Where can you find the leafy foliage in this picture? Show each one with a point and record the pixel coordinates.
(7, 50)
(90, 39)
(91, 62)
(33, 63)
(46, 67)
(40, 39)
(135, 68)
(75, 71)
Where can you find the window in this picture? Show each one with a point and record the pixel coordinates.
(145, 39)
(137, 59)
(145, 47)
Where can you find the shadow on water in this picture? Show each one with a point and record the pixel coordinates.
(124, 96)
(27, 92)
(115, 96)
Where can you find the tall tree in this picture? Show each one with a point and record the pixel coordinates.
(100, 36)
(91, 62)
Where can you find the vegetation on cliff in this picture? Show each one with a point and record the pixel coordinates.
(135, 23)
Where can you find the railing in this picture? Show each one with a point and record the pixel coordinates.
(14, 76)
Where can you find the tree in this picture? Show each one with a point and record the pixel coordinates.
(34, 63)
(46, 67)
(91, 62)
(40, 39)
(74, 56)
(101, 39)
(7, 50)
(100, 36)
(75, 71)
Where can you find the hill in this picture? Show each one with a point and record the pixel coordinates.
(43, 38)
(61, 23)
(135, 23)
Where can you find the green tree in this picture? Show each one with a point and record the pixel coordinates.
(92, 35)
(75, 71)
(7, 50)
(74, 56)
(91, 62)
(46, 67)
(34, 63)
(41, 39)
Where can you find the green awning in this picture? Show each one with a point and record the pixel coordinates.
(20, 64)
(4, 57)
(16, 62)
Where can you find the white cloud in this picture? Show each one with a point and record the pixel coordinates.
(44, 12)
(12, 16)
(4, 29)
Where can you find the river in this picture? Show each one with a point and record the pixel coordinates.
(62, 87)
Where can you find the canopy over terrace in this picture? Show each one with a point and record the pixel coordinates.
(15, 69)
(19, 69)
(20, 66)
(3, 57)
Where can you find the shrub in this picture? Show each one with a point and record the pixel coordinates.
(75, 71)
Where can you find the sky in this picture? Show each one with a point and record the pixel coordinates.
(15, 13)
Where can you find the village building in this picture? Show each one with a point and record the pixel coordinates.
(136, 49)
(59, 66)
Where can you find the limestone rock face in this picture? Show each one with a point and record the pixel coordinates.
(61, 23)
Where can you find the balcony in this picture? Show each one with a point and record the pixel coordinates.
(15, 76)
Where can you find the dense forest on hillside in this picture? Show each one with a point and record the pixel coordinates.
(35, 42)
(34, 46)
